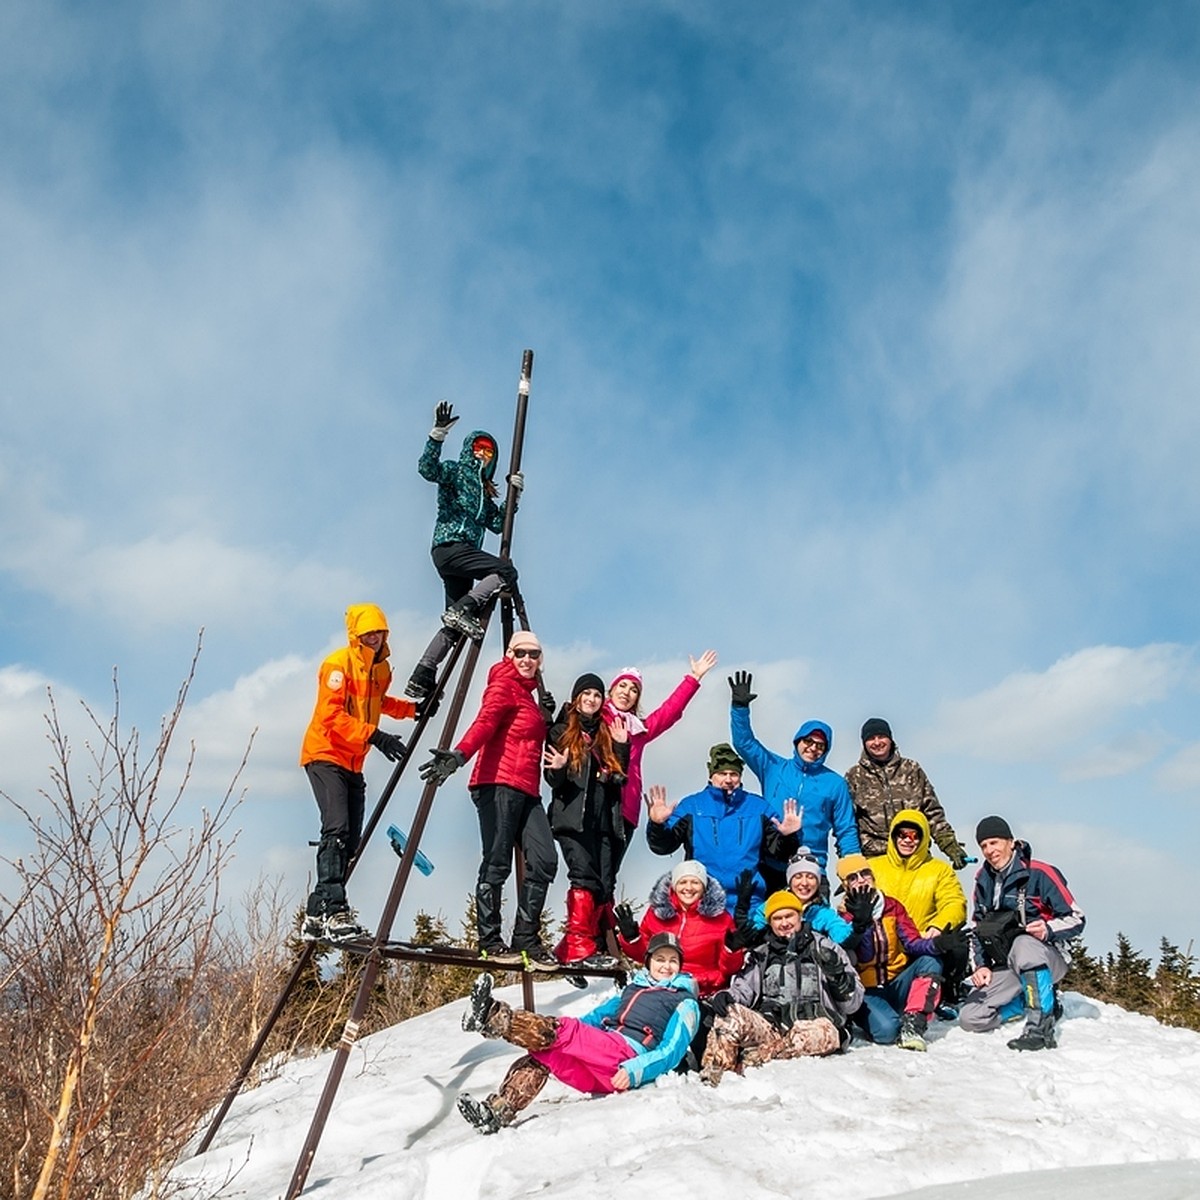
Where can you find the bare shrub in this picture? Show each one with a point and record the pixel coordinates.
(110, 974)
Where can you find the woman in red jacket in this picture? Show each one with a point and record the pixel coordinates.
(508, 735)
(689, 904)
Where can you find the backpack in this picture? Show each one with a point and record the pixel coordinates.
(996, 931)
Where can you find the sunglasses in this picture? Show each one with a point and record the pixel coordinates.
(813, 743)
(812, 858)
(525, 653)
(863, 874)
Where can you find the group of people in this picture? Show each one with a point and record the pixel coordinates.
(747, 954)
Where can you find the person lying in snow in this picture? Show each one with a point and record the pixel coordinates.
(633, 1037)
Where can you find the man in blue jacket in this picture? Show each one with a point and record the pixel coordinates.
(729, 830)
(1024, 919)
(821, 793)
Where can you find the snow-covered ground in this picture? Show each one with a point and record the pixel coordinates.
(875, 1121)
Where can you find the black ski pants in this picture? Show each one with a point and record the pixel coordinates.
(341, 798)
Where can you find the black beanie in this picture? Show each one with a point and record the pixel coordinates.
(587, 681)
(876, 727)
(992, 827)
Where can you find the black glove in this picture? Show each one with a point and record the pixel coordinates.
(388, 744)
(548, 706)
(951, 942)
(627, 923)
(827, 956)
(861, 908)
(744, 887)
(719, 1003)
(428, 706)
(443, 418)
(441, 766)
(745, 936)
(739, 687)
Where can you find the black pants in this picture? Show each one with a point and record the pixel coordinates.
(341, 798)
(592, 859)
(509, 818)
(460, 564)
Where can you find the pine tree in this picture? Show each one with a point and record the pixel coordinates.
(1128, 978)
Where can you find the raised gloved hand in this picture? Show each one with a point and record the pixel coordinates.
(861, 908)
(443, 418)
(441, 766)
(739, 687)
(744, 887)
(827, 956)
(388, 744)
(627, 924)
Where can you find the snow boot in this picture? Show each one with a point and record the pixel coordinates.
(420, 682)
(479, 1004)
(478, 1113)
(579, 937)
(912, 1031)
(343, 926)
(1038, 994)
(461, 618)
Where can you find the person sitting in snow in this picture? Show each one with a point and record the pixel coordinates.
(1024, 918)
(791, 999)
(727, 828)
(633, 1037)
(821, 793)
(901, 971)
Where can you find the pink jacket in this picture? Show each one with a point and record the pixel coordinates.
(659, 721)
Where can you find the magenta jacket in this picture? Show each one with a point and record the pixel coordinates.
(659, 721)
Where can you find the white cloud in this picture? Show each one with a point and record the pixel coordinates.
(1044, 715)
(1181, 773)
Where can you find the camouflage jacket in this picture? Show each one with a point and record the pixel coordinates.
(881, 790)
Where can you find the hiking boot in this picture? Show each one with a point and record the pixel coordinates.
(478, 1113)
(344, 927)
(1038, 1034)
(710, 1075)
(912, 1032)
(498, 952)
(479, 1004)
(536, 957)
(595, 962)
(420, 682)
(312, 928)
(461, 618)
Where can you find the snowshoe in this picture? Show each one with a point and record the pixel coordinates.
(312, 928)
(500, 954)
(478, 1113)
(535, 957)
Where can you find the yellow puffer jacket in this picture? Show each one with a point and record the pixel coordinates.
(927, 887)
(351, 695)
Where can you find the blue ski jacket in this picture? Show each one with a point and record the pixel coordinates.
(821, 792)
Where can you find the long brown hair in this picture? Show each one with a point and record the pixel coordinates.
(578, 745)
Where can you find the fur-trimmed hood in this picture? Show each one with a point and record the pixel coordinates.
(666, 907)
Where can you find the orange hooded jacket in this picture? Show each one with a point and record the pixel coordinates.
(351, 694)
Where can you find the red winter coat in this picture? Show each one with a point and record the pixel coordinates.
(508, 733)
(700, 929)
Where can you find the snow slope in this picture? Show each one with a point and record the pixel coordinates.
(875, 1121)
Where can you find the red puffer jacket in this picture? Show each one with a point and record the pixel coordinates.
(508, 734)
(701, 931)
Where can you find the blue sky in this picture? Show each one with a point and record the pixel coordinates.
(866, 354)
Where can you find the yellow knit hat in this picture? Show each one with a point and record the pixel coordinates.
(780, 900)
(850, 864)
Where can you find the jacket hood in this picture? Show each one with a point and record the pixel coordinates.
(467, 457)
(366, 618)
(920, 856)
(667, 908)
(804, 730)
(682, 982)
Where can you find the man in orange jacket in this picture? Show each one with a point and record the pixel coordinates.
(351, 696)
